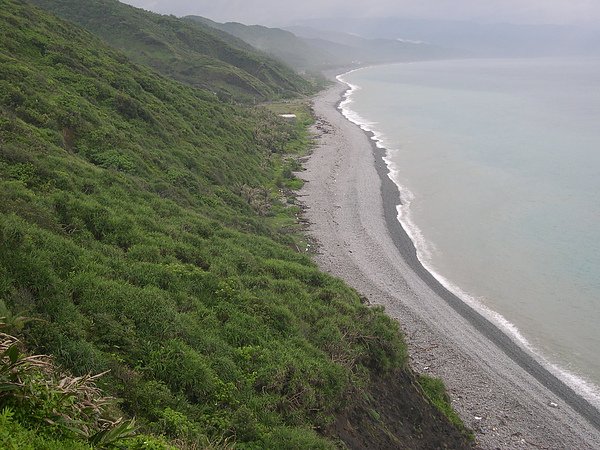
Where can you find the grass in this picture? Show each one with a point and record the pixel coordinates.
(435, 391)
(44, 408)
(187, 51)
(143, 227)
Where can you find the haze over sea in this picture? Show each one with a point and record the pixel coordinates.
(498, 162)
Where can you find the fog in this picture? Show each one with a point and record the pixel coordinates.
(282, 12)
(471, 27)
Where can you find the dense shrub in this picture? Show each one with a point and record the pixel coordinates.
(151, 240)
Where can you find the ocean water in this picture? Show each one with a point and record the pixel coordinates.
(498, 163)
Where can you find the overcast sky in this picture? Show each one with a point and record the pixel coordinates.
(284, 12)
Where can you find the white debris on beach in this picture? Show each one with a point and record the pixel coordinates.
(288, 116)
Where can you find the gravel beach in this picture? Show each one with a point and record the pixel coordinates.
(500, 390)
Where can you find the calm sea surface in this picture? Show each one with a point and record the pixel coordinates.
(499, 167)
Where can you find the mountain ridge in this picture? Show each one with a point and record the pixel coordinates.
(309, 49)
(191, 53)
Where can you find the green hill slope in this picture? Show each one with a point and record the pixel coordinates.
(279, 43)
(309, 49)
(140, 226)
(195, 54)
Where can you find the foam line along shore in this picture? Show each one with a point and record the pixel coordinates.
(402, 198)
(351, 203)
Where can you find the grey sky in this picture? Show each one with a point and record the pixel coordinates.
(282, 12)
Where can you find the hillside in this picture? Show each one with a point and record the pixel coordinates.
(279, 43)
(192, 53)
(311, 49)
(145, 233)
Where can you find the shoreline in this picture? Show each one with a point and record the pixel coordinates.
(391, 200)
(349, 251)
(581, 384)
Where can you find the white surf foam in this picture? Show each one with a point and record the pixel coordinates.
(424, 250)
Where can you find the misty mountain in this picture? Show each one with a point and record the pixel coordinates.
(278, 43)
(192, 53)
(369, 50)
(469, 38)
(307, 48)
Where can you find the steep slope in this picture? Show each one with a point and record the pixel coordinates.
(279, 43)
(312, 49)
(194, 54)
(137, 226)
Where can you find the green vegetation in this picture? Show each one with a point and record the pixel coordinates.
(310, 50)
(284, 215)
(281, 44)
(435, 391)
(15, 436)
(142, 227)
(45, 409)
(193, 53)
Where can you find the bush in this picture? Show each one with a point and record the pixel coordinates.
(15, 436)
(295, 439)
(33, 393)
(154, 247)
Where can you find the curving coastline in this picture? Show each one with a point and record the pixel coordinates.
(500, 390)
(520, 352)
(577, 382)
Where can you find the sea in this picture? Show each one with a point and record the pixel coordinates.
(498, 166)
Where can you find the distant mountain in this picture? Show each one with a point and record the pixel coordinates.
(369, 50)
(278, 43)
(189, 52)
(307, 48)
(469, 38)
